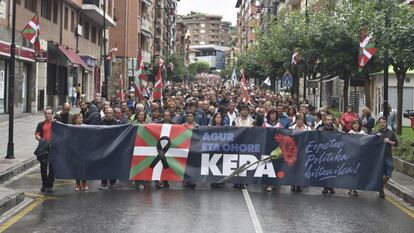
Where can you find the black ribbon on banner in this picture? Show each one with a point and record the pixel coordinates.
(161, 153)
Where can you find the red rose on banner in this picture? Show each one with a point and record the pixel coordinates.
(288, 147)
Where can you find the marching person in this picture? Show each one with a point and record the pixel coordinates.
(44, 133)
(78, 120)
(390, 140)
(64, 116)
(329, 126)
(356, 129)
(347, 118)
(108, 120)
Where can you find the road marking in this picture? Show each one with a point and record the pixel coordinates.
(399, 206)
(40, 196)
(253, 215)
(21, 214)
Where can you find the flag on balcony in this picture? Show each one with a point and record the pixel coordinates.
(234, 77)
(295, 57)
(32, 33)
(245, 94)
(366, 49)
(111, 55)
(268, 82)
(121, 88)
(140, 79)
(157, 93)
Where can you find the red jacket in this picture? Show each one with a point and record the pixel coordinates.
(346, 120)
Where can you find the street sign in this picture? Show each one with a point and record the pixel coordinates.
(287, 81)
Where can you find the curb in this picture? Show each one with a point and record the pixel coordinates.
(11, 201)
(404, 167)
(13, 171)
(400, 191)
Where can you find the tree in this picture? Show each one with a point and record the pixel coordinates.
(177, 71)
(198, 68)
(398, 39)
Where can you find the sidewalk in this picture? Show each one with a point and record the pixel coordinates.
(24, 145)
(402, 186)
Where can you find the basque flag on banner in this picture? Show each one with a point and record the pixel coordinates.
(160, 152)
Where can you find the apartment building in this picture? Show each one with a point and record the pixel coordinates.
(206, 29)
(165, 27)
(247, 23)
(71, 33)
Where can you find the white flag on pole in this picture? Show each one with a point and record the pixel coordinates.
(234, 77)
(268, 82)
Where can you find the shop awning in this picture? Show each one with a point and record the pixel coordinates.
(73, 57)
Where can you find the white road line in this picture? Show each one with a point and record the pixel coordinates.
(253, 215)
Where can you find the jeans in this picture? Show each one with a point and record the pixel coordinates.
(72, 100)
(388, 166)
(47, 178)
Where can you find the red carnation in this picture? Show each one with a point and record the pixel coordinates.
(288, 146)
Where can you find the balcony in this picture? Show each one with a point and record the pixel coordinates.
(146, 56)
(148, 2)
(292, 2)
(146, 27)
(92, 9)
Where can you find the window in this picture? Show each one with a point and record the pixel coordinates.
(55, 11)
(72, 21)
(46, 10)
(202, 31)
(100, 37)
(18, 2)
(203, 25)
(93, 34)
(86, 30)
(66, 22)
(31, 5)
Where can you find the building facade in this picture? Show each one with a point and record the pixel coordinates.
(247, 22)
(206, 29)
(214, 55)
(71, 36)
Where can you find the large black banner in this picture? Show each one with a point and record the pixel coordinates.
(312, 158)
(209, 154)
(92, 152)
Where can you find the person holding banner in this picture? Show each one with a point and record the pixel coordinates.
(299, 126)
(78, 120)
(356, 129)
(108, 120)
(329, 126)
(390, 139)
(44, 132)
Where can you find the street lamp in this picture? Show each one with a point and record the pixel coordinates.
(10, 144)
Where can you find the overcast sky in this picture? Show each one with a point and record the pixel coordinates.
(226, 8)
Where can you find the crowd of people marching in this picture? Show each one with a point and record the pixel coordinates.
(213, 104)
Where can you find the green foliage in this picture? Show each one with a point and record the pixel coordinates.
(198, 67)
(178, 72)
(404, 149)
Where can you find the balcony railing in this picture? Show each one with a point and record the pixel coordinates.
(146, 56)
(146, 25)
(94, 2)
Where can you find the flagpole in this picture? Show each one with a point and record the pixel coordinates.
(104, 56)
(10, 144)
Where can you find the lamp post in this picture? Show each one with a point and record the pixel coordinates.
(306, 65)
(385, 106)
(105, 52)
(10, 144)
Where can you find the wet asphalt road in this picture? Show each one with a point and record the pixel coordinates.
(125, 209)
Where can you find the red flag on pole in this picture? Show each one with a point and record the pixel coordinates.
(157, 93)
(32, 33)
(121, 89)
(366, 49)
(245, 94)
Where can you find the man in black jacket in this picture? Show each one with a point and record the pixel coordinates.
(64, 116)
(108, 120)
(93, 117)
(44, 132)
(329, 126)
(390, 140)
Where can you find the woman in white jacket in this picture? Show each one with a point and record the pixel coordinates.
(355, 129)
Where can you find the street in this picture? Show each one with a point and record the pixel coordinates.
(126, 209)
